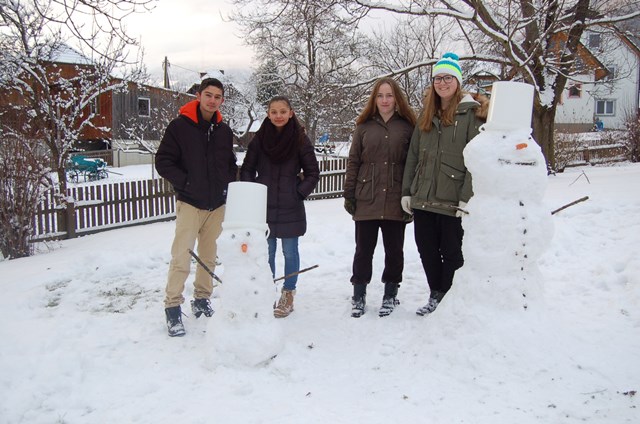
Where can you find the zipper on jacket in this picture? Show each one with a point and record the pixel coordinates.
(206, 151)
(455, 127)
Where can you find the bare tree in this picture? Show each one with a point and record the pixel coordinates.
(314, 46)
(408, 42)
(48, 99)
(92, 23)
(537, 42)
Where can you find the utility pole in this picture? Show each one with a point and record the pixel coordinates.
(165, 68)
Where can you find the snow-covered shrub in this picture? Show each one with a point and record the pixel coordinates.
(24, 176)
(569, 148)
(632, 141)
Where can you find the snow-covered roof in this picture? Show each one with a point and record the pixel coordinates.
(66, 54)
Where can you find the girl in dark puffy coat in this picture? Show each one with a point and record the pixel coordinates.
(373, 187)
(275, 157)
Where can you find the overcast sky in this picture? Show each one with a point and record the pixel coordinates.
(193, 35)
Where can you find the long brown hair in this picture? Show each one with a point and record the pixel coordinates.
(433, 106)
(402, 105)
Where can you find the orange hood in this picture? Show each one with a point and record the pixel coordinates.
(190, 110)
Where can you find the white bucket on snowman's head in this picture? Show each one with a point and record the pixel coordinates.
(510, 106)
(246, 206)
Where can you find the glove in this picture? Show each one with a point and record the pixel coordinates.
(405, 202)
(406, 217)
(350, 206)
(460, 213)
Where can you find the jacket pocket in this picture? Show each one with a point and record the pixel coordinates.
(364, 183)
(418, 176)
(397, 173)
(450, 182)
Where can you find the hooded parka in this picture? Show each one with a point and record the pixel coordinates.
(375, 168)
(435, 175)
(197, 158)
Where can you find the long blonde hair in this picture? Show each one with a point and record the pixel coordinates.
(433, 106)
(402, 105)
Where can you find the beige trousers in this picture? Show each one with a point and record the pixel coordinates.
(193, 224)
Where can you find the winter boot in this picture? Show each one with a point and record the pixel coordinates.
(174, 321)
(285, 304)
(201, 306)
(389, 300)
(434, 300)
(358, 301)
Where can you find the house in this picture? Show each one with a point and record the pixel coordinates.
(137, 118)
(481, 81)
(127, 116)
(608, 92)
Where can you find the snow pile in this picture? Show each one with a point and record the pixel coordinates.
(84, 338)
(243, 330)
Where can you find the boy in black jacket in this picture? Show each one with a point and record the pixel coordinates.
(196, 156)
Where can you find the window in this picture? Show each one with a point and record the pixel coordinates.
(575, 91)
(95, 106)
(605, 107)
(613, 71)
(144, 106)
(594, 40)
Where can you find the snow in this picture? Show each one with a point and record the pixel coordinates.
(84, 339)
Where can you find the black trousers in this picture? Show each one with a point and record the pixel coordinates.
(439, 241)
(366, 241)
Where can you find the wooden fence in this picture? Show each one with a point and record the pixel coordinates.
(608, 147)
(100, 207)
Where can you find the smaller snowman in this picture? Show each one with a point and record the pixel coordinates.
(508, 227)
(243, 330)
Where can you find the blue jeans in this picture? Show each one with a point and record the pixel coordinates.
(291, 259)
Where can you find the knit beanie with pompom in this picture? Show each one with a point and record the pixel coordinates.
(448, 65)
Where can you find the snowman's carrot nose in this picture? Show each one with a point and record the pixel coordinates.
(244, 247)
(521, 146)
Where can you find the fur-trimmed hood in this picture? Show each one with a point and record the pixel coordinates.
(483, 111)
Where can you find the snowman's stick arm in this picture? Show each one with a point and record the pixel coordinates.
(582, 199)
(445, 205)
(203, 265)
(296, 273)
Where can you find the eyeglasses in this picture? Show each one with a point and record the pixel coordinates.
(446, 79)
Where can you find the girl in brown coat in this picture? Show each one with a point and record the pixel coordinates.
(373, 188)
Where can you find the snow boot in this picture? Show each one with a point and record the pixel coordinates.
(434, 300)
(174, 321)
(201, 306)
(358, 301)
(389, 300)
(285, 304)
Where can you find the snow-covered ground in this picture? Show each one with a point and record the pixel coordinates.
(84, 339)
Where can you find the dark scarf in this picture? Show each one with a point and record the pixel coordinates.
(279, 146)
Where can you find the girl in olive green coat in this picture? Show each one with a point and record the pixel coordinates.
(436, 185)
